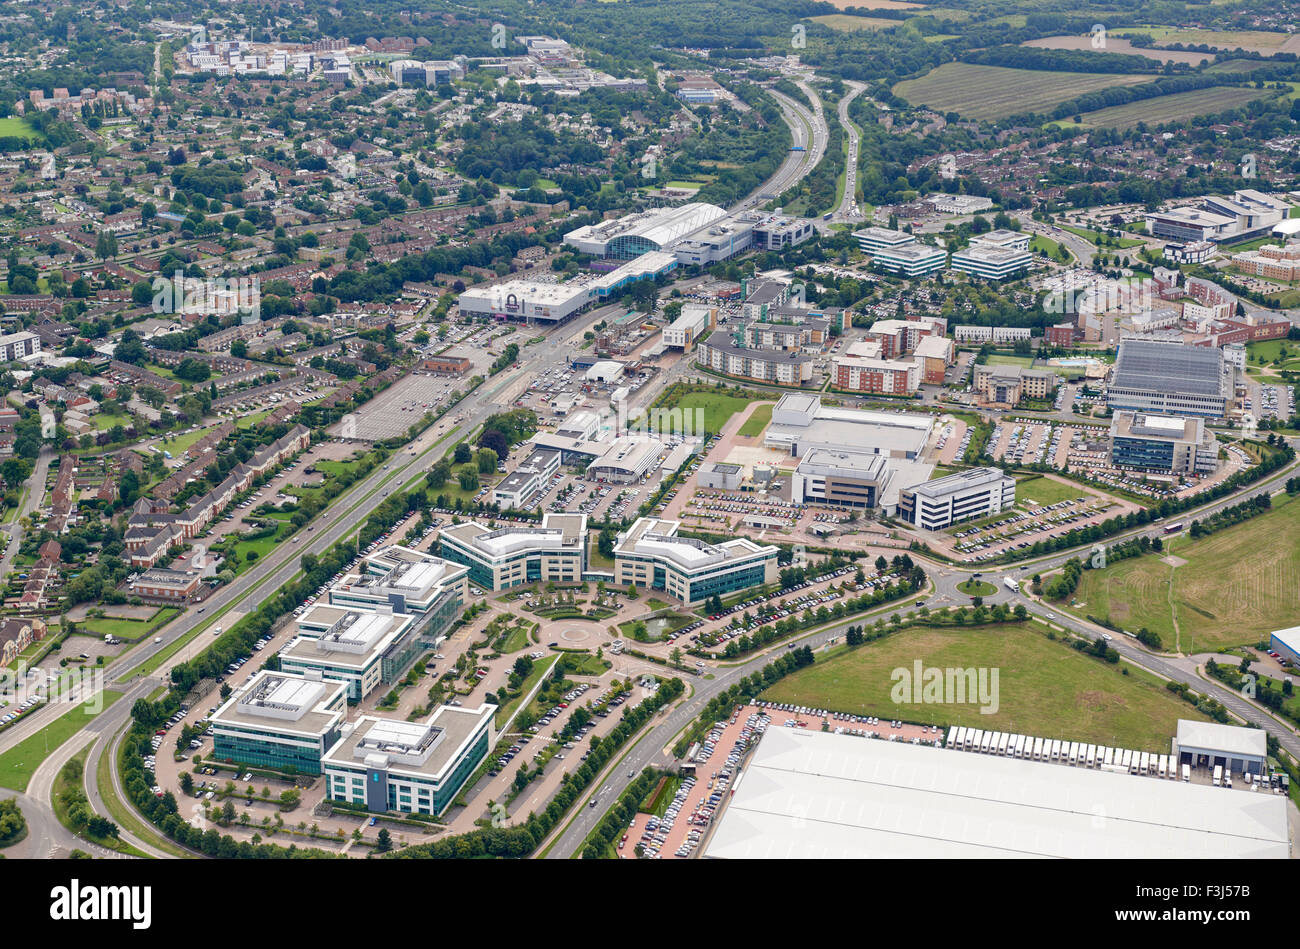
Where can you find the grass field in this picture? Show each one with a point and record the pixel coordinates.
(1116, 45)
(1044, 688)
(128, 629)
(994, 92)
(998, 360)
(718, 407)
(1178, 107)
(1237, 585)
(844, 22)
(1043, 491)
(977, 588)
(757, 421)
(16, 127)
(19, 763)
(874, 4)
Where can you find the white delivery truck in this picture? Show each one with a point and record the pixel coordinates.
(1002, 743)
(1187, 772)
(1010, 584)
(1218, 775)
(1038, 749)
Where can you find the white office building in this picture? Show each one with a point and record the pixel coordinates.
(344, 645)
(517, 554)
(977, 492)
(280, 721)
(388, 765)
(651, 555)
(517, 489)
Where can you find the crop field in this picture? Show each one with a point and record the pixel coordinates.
(1256, 41)
(1234, 589)
(1177, 107)
(1044, 688)
(994, 92)
(1116, 45)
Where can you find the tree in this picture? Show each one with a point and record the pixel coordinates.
(881, 564)
(487, 461)
(384, 841)
(106, 245)
(468, 480)
(462, 453)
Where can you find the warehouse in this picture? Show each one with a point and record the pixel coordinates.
(1206, 744)
(1286, 643)
(976, 492)
(818, 795)
(1169, 378)
(800, 423)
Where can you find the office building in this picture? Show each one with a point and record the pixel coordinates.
(1169, 378)
(14, 346)
(1007, 386)
(518, 554)
(529, 478)
(392, 766)
(1165, 443)
(991, 263)
(694, 321)
(976, 492)
(910, 260)
(1189, 225)
(404, 580)
(958, 203)
(347, 645)
(840, 478)
(719, 475)
(280, 721)
(873, 239)
(652, 556)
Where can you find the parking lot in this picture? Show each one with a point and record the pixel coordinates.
(393, 411)
(719, 760)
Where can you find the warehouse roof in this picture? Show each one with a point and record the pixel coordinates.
(1230, 738)
(821, 795)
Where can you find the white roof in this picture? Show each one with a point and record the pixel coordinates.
(821, 795)
(1289, 637)
(1232, 739)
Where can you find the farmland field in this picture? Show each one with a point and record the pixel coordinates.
(1232, 590)
(1177, 107)
(993, 92)
(1258, 41)
(842, 21)
(1044, 687)
(1114, 45)
(875, 4)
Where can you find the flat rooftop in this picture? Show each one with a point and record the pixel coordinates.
(427, 748)
(283, 702)
(816, 795)
(1171, 368)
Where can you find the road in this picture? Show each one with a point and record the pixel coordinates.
(846, 212)
(32, 500)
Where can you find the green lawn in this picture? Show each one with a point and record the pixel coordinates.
(128, 629)
(1044, 688)
(977, 588)
(1094, 236)
(997, 359)
(758, 420)
(1044, 491)
(19, 763)
(1237, 586)
(718, 407)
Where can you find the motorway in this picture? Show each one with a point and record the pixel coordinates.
(846, 212)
